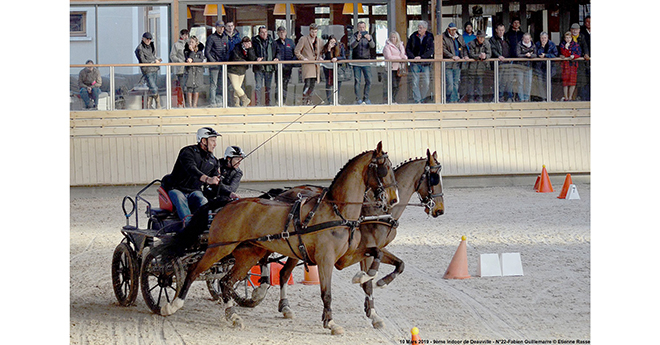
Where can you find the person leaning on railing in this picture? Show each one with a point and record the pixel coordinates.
(216, 50)
(146, 53)
(546, 49)
(394, 50)
(263, 74)
(242, 52)
(194, 52)
(501, 50)
(284, 48)
(479, 50)
(333, 51)
(421, 46)
(525, 49)
(453, 47)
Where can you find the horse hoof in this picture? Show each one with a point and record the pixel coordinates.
(259, 293)
(381, 284)
(362, 277)
(238, 323)
(378, 324)
(287, 313)
(337, 330)
(171, 308)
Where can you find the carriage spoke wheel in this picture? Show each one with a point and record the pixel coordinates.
(125, 275)
(160, 281)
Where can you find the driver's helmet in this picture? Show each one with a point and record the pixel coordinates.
(206, 132)
(234, 151)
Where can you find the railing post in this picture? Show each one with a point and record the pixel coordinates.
(112, 88)
(388, 68)
(280, 96)
(168, 87)
(335, 83)
(496, 83)
(548, 81)
(443, 82)
(225, 94)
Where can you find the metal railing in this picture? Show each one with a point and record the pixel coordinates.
(436, 96)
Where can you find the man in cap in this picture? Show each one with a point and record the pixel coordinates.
(216, 50)
(420, 46)
(453, 47)
(195, 167)
(284, 51)
(146, 53)
(479, 50)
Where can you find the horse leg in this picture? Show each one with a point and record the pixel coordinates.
(369, 307)
(210, 257)
(244, 260)
(362, 276)
(325, 278)
(285, 273)
(398, 264)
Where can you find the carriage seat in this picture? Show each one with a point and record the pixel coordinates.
(164, 200)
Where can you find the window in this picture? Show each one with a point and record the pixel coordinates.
(78, 24)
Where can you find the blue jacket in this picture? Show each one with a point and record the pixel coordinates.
(550, 50)
(232, 41)
(284, 51)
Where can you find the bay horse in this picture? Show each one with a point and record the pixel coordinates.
(251, 227)
(421, 175)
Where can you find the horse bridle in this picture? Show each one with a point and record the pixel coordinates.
(431, 181)
(380, 170)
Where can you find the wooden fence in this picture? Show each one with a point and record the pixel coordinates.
(133, 147)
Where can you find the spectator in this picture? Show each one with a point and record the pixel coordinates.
(333, 51)
(284, 48)
(479, 50)
(582, 67)
(216, 50)
(394, 50)
(545, 49)
(500, 50)
(525, 49)
(468, 34)
(242, 52)
(569, 49)
(233, 39)
(146, 53)
(89, 82)
(514, 35)
(453, 47)
(421, 46)
(177, 55)
(309, 49)
(263, 74)
(361, 44)
(194, 52)
(585, 32)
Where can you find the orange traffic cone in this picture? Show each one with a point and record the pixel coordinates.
(564, 190)
(458, 267)
(312, 276)
(545, 186)
(538, 181)
(415, 335)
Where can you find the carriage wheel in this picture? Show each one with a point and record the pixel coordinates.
(125, 275)
(160, 280)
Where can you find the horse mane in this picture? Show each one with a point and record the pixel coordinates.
(410, 160)
(345, 165)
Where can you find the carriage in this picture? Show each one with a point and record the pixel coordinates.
(135, 267)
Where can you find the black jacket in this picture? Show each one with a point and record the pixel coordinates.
(216, 48)
(192, 163)
(263, 49)
(420, 46)
(240, 54)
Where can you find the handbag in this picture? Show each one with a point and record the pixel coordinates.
(402, 71)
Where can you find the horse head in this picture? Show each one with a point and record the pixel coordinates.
(381, 179)
(429, 186)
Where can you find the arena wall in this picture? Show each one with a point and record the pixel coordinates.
(135, 147)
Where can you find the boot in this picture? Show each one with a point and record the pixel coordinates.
(267, 97)
(237, 101)
(245, 100)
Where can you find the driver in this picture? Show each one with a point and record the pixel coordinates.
(195, 167)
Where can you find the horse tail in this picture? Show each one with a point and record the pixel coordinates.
(175, 246)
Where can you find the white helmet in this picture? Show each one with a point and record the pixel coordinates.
(234, 151)
(206, 132)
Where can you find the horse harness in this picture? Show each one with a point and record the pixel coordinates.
(432, 179)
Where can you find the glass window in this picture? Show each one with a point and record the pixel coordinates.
(78, 24)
